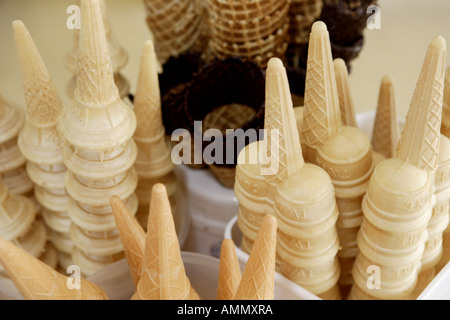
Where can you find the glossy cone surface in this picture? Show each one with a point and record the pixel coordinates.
(163, 275)
(258, 280)
(37, 281)
(229, 271)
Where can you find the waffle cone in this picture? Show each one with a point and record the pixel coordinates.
(317, 130)
(163, 276)
(229, 271)
(257, 282)
(345, 96)
(386, 130)
(419, 142)
(37, 281)
(132, 236)
(445, 127)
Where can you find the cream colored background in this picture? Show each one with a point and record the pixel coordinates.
(398, 49)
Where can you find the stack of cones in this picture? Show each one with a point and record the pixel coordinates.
(344, 152)
(385, 129)
(439, 219)
(178, 27)
(398, 203)
(153, 163)
(41, 143)
(306, 212)
(37, 281)
(251, 30)
(346, 20)
(18, 224)
(99, 152)
(119, 58)
(12, 162)
(445, 130)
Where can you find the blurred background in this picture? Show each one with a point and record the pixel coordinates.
(397, 49)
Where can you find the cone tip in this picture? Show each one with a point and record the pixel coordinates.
(439, 44)
(319, 27)
(339, 64)
(386, 81)
(276, 65)
(19, 28)
(159, 188)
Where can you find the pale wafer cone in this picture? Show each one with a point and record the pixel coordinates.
(321, 114)
(229, 271)
(385, 132)
(344, 152)
(12, 162)
(119, 57)
(279, 120)
(445, 128)
(398, 205)
(37, 281)
(40, 140)
(258, 282)
(345, 96)
(132, 236)
(153, 163)
(419, 142)
(17, 213)
(163, 276)
(99, 152)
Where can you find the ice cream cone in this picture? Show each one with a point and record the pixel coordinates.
(398, 203)
(385, 132)
(132, 236)
(257, 282)
(119, 57)
(37, 281)
(229, 271)
(344, 93)
(99, 152)
(163, 276)
(344, 152)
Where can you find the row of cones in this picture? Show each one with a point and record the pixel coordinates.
(154, 260)
(78, 156)
(368, 233)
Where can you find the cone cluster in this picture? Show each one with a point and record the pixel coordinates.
(99, 151)
(119, 57)
(178, 27)
(398, 204)
(301, 196)
(344, 152)
(153, 163)
(41, 143)
(12, 162)
(252, 30)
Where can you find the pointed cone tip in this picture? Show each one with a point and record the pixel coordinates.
(319, 27)
(275, 65)
(339, 64)
(386, 81)
(439, 44)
